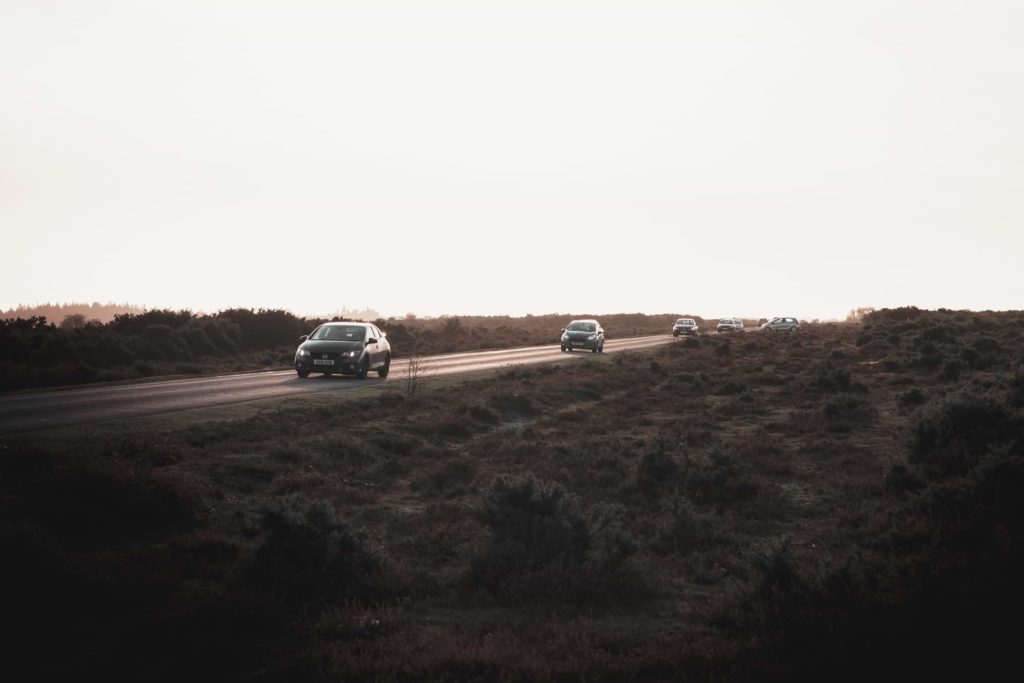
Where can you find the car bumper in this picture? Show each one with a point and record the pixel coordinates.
(581, 344)
(346, 366)
(684, 331)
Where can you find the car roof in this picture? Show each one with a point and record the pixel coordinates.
(583, 320)
(342, 322)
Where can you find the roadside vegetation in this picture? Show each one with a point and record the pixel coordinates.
(841, 504)
(35, 352)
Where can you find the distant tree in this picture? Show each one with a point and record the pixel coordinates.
(75, 321)
(858, 314)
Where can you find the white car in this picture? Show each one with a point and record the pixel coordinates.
(781, 325)
(730, 325)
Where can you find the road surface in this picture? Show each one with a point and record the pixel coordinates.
(49, 409)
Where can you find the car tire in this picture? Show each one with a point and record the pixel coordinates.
(563, 349)
(302, 373)
(383, 371)
(792, 329)
(363, 368)
(593, 350)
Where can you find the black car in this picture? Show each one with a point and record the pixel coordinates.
(345, 349)
(583, 334)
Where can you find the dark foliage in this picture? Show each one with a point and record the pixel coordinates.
(534, 526)
(952, 436)
(309, 555)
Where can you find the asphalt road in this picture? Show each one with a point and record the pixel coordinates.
(49, 409)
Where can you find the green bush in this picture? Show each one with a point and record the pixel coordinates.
(309, 555)
(534, 526)
(718, 478)
(844, 412)
(950, 438)
(910, 398)
(657, 470)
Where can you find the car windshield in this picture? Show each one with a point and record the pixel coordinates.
(685, 321)
(340, 332)
(582, 327)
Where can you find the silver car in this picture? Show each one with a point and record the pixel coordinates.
(730, 325)
(685, 327)
(781, 325)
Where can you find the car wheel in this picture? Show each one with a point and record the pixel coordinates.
(383, 371)
(593, 350)
(563, 349)
(792, 329)
(364, 367)
(302, 373)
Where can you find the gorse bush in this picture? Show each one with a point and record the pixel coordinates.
(951, 437)
(845, 412)
(832, 378)
(717, 478)
(533, 526)
(910, 398)
(657, 470)
(309, 555)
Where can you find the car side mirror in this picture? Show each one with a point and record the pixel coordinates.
(303, 338)
(563, 329)
(371, 340)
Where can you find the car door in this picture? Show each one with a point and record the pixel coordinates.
(371, 349)
(378, 348)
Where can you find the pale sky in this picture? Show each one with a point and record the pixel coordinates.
(743, 157)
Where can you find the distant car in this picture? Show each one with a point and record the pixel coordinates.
(344, 349)
(583, 334)
(730, 325)
(781, 325)
(684, 327)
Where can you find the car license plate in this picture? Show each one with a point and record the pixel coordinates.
(320, 361)
(577, 343)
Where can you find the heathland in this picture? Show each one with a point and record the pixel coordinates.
(844, 503)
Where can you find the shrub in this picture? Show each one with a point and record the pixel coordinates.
(901, 477)
(657, 470)
(687, 529)
(1016, 389)
(950, 371)
(534, 525)
(830, 377)
(951, 437)
(309, 555)
(911, 398)
(844, 412)
(719, 478)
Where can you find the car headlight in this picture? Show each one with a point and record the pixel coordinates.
(350, 354)
(593, 336)
(302, 352)
(565, 337)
